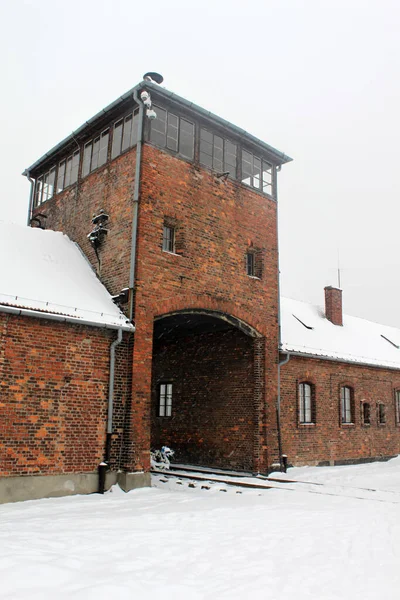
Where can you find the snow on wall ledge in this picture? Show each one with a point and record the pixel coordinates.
(46, 271)
(306, 330)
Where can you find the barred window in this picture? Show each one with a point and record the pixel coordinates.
(165, 400)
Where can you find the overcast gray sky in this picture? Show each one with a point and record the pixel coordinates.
(317, 79)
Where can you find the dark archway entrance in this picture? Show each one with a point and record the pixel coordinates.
(207, 388)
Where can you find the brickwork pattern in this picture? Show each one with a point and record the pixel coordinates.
(213, 412)
(53, 400)
(329, 440)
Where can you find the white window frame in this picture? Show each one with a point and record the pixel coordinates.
(346, 413)
(305, 403)
(165, 400)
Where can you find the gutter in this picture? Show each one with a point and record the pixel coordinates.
(282, 457)
(25, 312)
(136, 193)
(280, 157)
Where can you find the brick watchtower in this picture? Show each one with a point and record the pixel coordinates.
(189, 206)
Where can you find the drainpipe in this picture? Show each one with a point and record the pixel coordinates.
(32, 182)
(103, 466)
(282, 457)
(136, 193)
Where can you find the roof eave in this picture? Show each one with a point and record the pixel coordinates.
(279, 157)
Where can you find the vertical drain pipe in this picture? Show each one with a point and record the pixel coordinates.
(30, 208)
(136, 193)
(282, 457)
(103, 466)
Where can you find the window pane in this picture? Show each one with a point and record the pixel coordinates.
(218, 153)
(60, 176)
(172, 132)
(87, 153)
(158, 127)
(398, 406)
(186, 139)
(230, 158)
(95, 154)
(117, 137)
(135, 126)
(267, 178)
(126, 138)
(38, 191)
(103, 148)
(75, 167)
(68, 169)
(206, 136)
(247, 167)
(52, 178)
(256, 172)
(250, 264)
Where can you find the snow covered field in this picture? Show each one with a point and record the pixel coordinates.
(338, 540)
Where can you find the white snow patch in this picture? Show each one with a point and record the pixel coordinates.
(181, 543)
(357, 340)
(46, 271)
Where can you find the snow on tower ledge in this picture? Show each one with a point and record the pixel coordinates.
(44, 271)
(307, 331)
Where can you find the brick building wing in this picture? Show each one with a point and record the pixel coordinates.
(175, 208)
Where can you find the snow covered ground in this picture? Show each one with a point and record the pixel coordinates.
(337, 540)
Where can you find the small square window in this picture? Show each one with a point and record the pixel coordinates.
(165, 400)
(168, 244)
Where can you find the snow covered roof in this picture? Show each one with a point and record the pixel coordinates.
(44, 271)
(306, 330)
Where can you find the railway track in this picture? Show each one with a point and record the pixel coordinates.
(209, 479)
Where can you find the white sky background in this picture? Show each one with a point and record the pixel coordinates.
(317, 79)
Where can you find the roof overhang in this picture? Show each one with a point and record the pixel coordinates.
(102, 117)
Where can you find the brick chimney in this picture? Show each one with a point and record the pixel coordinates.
(333, 305)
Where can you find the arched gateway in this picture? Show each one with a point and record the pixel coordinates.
(208, 388)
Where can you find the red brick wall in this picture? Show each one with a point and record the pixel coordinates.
(213, 409)
(53, 397)
(217, 222)
(328, 439)
(110, 188)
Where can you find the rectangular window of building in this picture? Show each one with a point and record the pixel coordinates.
(168, 244)
(346, 394)
(217, 153)
(60, 176)
(306, 411)
(38, 191)
(95, 153)
(257, 173)
(366, 413)
(125, 134)
(165, 400)
(397, 406)
(250, 264)
(172, 132)
(381, 414)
